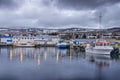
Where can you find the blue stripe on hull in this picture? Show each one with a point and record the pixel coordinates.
(62, 46)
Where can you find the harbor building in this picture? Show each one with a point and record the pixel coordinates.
(46, 40)
(6, 40)
(21, 40)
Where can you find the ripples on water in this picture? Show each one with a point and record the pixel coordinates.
(56, 64)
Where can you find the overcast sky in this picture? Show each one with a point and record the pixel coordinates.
(60, 13)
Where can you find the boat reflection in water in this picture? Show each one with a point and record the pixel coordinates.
(101, 62)
(49, 63)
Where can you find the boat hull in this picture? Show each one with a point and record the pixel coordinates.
(62, 46)
(99, 51)
(25, 45)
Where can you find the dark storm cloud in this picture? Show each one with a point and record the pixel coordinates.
(84, 4)
(9, 4)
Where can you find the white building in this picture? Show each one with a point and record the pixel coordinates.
(46, 39)
(23, 40)
(34, 40)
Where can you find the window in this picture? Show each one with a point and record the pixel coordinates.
(106, 44)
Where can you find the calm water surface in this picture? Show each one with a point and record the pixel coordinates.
(56, 64)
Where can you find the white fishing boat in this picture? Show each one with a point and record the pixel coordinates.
(100, 47)
(24, 45)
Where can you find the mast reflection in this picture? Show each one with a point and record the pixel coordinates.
(70, 54)
(39, 59)
(21, 56)
(45, 55)
(57, 57)
(34, 55)
(11, 54)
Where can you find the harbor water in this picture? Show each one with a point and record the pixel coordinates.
(50, 63)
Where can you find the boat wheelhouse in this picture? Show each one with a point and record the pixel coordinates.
(102, 45)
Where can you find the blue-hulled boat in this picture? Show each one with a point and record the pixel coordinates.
(62, 44)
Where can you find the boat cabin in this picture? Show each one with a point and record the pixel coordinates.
(102, 44)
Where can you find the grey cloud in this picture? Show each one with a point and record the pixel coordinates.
(84, 4)
(10, 4)
(61, 20)
(47, 2)
(55, 13)
(111, 17)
